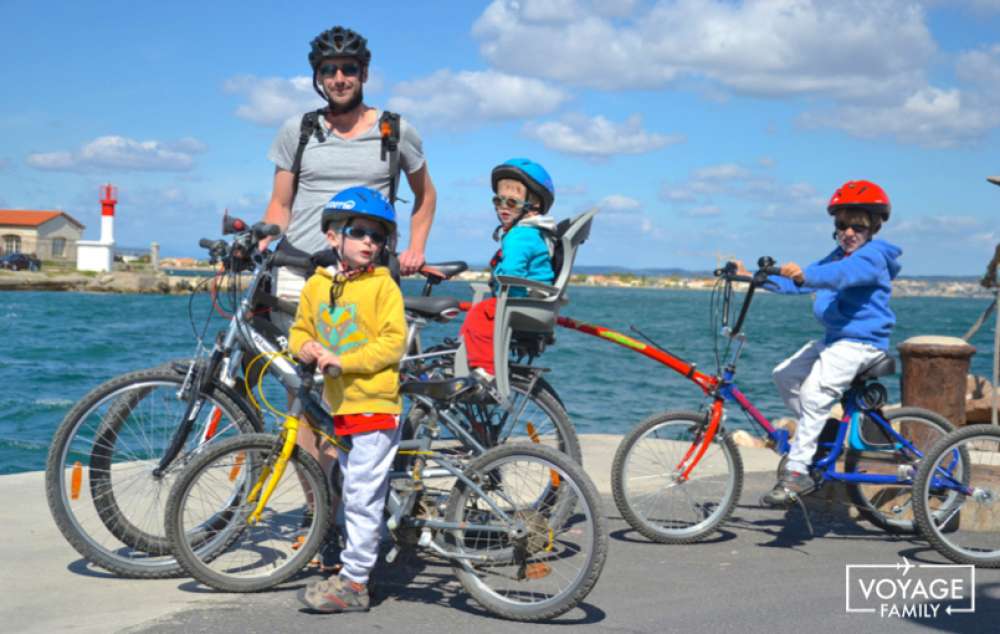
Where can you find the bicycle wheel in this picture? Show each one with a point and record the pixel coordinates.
(208, 516)
(99, 477)
(646, 485)
(533, 415)
(889, 506)
(516, 556)
(956, 496)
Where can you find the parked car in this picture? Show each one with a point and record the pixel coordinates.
(20, 262)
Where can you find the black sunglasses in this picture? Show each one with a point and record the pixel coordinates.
(359, 233)
(513, 203)
(349, 69)
(857, 228)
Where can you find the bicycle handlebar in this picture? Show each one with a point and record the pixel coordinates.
(294, 261)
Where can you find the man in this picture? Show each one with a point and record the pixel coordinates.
(344, 151)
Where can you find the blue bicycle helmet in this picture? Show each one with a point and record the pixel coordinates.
(359, 201)
(533, 175)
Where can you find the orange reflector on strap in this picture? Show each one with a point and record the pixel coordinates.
(532, 432)
(554, 477)
(237, 465)
(537, 570)
(75, 480)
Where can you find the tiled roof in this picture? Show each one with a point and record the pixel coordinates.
(30, 218)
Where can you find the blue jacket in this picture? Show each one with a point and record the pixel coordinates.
(852, 293)
(526, 252)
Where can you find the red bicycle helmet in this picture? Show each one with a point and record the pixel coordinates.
(864, 195)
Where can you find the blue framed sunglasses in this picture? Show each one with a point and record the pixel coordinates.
(350, 69)
(359, 233)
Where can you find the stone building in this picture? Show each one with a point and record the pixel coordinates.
(49, 235)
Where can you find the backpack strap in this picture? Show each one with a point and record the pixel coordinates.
(310, 121)
(388, 125)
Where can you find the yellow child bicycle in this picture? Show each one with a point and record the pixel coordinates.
(521, 523)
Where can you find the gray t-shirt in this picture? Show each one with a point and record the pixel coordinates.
(331, 164)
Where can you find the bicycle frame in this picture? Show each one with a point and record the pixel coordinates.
(723, 389)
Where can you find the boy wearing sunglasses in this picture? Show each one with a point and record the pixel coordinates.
(350, 319)
(852, 287)
(523, 194)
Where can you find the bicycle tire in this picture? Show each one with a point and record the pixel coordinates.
(214, 559)
(964, 528)
(543, 420)
(117, 451)
(721, 469)
(580, 540)
(889, 507)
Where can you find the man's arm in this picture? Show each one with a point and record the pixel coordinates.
(279, 208)
(424, 205)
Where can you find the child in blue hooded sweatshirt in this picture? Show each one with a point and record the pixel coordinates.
(852, 287)
(524, 193)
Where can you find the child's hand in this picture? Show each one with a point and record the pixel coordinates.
(310, 351)
(328, 360)
(793, 271)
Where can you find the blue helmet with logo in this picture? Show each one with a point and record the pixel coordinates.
(533, 175)
(359, 202)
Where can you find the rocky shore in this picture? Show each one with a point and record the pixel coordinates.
(159, 282)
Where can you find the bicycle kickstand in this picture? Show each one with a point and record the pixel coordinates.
(805, 515)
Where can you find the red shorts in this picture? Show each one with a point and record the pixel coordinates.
(347, 424)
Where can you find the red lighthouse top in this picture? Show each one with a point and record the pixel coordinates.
(109, 198)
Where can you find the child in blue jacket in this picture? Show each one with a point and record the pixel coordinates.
(523, 196)
(852, 287)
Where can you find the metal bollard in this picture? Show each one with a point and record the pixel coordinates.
(934, 371)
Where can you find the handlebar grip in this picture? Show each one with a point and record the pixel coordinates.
(292, 261)
(264, 229)
(205, 243)
(771, 270)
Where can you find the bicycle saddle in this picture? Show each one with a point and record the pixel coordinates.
(440, 308)
(443, 390)
(883, 366)
(448, 269)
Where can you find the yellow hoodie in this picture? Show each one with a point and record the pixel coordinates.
(366, 328)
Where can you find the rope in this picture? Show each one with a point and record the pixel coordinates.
(979, 322)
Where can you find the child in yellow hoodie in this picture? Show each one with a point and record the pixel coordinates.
(351, 318)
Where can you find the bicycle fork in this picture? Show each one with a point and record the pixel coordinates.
(271, 474)
(700, 446)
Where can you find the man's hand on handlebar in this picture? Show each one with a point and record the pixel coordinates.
(263, 244)
(410, 261)
(793, 271)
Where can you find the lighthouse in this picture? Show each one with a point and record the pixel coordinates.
(109, 198)
(98, 255)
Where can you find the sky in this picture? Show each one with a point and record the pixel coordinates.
(702, 129)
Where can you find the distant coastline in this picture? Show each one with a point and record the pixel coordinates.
(185, 280)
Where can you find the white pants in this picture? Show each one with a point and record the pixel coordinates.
(811, 381)
(365, 469)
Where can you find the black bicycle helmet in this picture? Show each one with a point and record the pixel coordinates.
(339, 42)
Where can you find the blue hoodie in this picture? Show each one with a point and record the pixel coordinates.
(527, 253)
(852, 293)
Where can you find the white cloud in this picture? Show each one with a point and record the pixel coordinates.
(272, 100)
(762, 47)
(697, 195)
(598, 137)
(931, 117)
(624, 214)
(463, 98)
(122, 153)
(981, 67)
